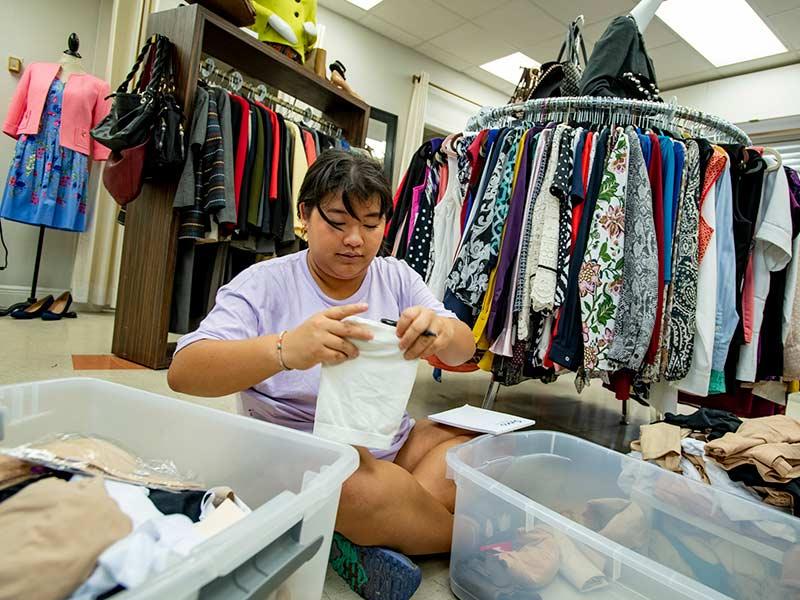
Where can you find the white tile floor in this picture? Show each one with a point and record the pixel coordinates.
(35, 350)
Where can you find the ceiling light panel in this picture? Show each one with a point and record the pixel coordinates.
(510, 67)
(724, 31)
(365, 4)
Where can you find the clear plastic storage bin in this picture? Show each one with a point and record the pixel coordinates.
(678, 539)
(291, 480)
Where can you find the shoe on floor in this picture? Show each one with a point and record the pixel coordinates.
(374, 573)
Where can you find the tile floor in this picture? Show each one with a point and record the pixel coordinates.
(35, 350)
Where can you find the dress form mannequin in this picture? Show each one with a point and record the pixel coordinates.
(71, 61)
(644, 12)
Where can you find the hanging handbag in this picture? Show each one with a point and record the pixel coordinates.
(130, 121)
(166, 154)
(123, 173)
(560, 77)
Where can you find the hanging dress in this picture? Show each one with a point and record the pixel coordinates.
(47, 182)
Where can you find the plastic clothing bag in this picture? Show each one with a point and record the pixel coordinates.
(362, 401)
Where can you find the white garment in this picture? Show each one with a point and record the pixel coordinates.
(446, 229)
(527, 224)
(790, 292)
(152, 548)
(362, 401)
(772, 251)
(133, 500)
(699, 375)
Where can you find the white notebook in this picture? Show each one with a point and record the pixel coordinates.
(481, 420)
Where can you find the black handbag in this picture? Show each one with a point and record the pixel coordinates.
(130, 121)
(167, 150)
(560, 77)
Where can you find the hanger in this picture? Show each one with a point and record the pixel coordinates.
(766, 151)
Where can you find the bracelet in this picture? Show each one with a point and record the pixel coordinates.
(280, 352)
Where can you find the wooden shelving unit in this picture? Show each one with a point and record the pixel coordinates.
(141, 325)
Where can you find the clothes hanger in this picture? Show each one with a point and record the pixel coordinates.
(767, 151)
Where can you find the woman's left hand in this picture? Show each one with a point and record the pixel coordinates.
(410, 328)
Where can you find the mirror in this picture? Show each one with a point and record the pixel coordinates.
(381, 137)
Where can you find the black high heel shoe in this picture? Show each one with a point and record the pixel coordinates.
(35, 310)
(60, 309)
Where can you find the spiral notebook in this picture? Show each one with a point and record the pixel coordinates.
(481, 420)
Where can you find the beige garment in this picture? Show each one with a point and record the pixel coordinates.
(576, 566)
(628, 528)
(51, 534)
(771, 444)
(661, 443)
(776, 497)
(299, 170)
(94, 456)
(535, 564)
(791, 347)
(700, 465)
(13, 471)
(599, 512)
(791, 568)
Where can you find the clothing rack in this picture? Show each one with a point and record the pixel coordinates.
(209, 71)
(620, 111)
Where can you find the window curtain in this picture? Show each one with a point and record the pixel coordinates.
(415, 121)
(95, 274)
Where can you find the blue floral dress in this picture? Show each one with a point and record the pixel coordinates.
(47, 182)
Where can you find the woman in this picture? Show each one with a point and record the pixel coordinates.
(400, 498)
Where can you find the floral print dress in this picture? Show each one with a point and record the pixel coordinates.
(47, 182)
(600, 277)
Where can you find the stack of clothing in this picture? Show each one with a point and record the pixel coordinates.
(83, 519)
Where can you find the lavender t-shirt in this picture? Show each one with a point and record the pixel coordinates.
(280, 294)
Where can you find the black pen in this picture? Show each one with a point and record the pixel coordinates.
(394, 324)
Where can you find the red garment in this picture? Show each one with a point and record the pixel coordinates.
(656, 184)
(748, 301)
(276, 152)
(241, 148)
(310, 146)
(577, 211)
(743, 403)
(397, 193)
(474, 154)
(715, 167)
(444, 174)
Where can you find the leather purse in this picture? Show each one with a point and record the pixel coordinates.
(123, 173)
(167, 151)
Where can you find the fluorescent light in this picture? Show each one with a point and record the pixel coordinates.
(365, 4)
(724, 31)
(510, 67)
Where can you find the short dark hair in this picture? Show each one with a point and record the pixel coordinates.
(358, 178)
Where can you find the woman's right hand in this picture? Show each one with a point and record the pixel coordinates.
(321, 338)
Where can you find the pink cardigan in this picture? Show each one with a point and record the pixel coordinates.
(84, 106)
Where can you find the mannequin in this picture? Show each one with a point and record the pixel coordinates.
(644, 12)
(71, 61)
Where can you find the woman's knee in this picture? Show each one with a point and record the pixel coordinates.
(372, 488)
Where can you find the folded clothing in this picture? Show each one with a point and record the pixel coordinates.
(660, 443)
(52, 533)
(533, 566)
(771, 444)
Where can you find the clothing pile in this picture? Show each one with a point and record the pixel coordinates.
(81, 518)
(240, 184)
(661, 264)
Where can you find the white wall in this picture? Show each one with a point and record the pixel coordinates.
(37, 30)
(380, 70)
(765, 95)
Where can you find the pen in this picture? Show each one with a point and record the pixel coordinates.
(394, 324)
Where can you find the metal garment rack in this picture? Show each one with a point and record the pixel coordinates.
(617, 111)
(606, 110)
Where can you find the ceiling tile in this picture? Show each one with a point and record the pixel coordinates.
(787, 27)
(772, 7)
(592, 10)
(760, 64)
(519, 23)
(658, 34)
(472, 44)
(443, 56)
(421, 18)
(469, 9)
(490, 80)
(344, 8)
(676, 60)
(390, 31)
(546, 50)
